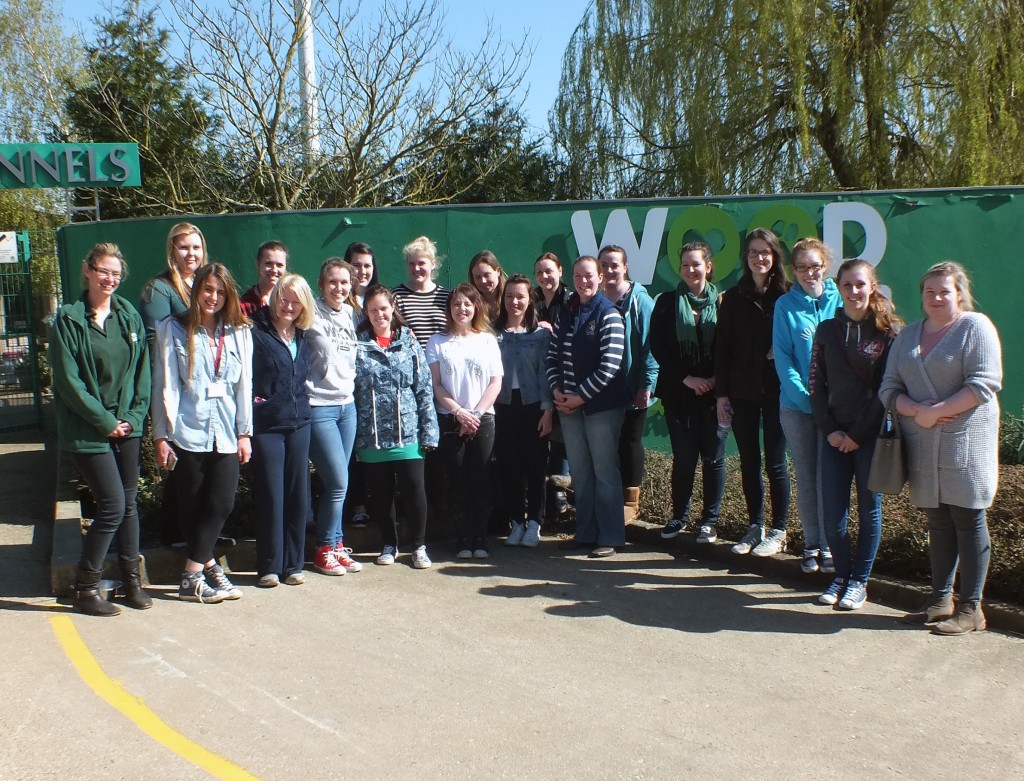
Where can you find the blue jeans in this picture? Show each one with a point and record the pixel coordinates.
(694, 434)
(838, 470)
(958, 533)
(747, 421)
(805, 441)
(592, 444)
(332, 433)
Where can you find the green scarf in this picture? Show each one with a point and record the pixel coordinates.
(690, 346)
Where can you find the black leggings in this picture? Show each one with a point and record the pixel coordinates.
(380, 489)
(206, 484)
(467, 474)
(113, 480)
(631, 448)
(521, 459)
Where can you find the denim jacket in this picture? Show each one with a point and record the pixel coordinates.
(525, 354)
(394, 393)
(183, 411)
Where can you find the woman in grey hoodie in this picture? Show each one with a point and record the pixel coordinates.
(332, 372)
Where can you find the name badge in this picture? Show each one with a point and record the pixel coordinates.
(216, 390)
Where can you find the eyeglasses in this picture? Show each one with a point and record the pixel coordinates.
(107, 274)
(814, 268)
(759, 253)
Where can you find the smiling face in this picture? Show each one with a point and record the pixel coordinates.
(462, 310)
(379, 311)
(272, 266)
(517, 299)
(586, 278)
(614, 269)
(103, 276)
(548, 275)
(485, 279)
(362, 265)
(336, 286)
(289, 307)
(759, 258)
(856, 287)
(420, 268)
(188, 254)
(941, 299)
(212, 297)
(694, 270)
(809, 268)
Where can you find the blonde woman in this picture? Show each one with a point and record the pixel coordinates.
(170, 291)
(281, 429)
(202, 420)
(422, 302)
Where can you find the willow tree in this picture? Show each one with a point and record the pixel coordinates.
(664, 97)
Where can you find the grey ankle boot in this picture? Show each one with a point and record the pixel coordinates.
(968, 618)
(936, 609)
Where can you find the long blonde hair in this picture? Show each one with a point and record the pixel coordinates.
(182, 229)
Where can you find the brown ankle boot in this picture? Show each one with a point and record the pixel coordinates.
(968, 618)
(631, 504)
(936, 609)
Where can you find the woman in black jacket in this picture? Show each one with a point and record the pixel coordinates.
(747, 385)
(281, 429)
(683, 328)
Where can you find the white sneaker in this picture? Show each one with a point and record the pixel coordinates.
(420, 560)
(753, 537)
(515, 537)
(387, 556)
(531, 537)
(773, 543)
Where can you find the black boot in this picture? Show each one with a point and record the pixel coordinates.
(134, 596)
(87, 595)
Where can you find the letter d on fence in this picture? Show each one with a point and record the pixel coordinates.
(835, 215)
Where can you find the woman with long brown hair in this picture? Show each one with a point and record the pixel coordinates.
(202, 420)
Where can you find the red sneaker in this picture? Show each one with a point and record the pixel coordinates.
(326, 562)
(344, 557)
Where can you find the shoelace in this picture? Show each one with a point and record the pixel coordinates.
(220, 580)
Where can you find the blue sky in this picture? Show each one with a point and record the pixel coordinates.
(548, 25)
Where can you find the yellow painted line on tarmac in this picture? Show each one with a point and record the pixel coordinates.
(134, 708)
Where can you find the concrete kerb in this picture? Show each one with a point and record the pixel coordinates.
(886, 591)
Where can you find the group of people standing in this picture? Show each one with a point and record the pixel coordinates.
(444, 399)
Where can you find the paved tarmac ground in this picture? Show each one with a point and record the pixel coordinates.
(529, 665)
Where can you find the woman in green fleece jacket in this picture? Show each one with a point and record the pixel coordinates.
(101, 380)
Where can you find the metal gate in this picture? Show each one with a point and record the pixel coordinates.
(20, 401)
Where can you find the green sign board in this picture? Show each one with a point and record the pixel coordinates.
(901, 233)
(69, 165)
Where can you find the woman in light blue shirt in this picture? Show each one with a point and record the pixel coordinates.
(202, 420)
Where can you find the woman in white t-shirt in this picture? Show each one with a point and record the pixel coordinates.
(465, 363)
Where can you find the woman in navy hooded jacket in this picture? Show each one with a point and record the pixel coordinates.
(281, 430)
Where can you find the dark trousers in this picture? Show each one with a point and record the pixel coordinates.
(694, 433)
(466, 474)
(113, 480)
(206, 483)
(631, 448)
(380, 490)
(280, 491)
(747, 420)
(521, 458)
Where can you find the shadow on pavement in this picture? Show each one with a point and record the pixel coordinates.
(657, 591)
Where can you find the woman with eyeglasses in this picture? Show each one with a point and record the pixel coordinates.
(101, 381)
(809, 303)
(747, 386)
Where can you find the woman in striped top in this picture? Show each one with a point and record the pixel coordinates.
(584, 367)
(422, 302)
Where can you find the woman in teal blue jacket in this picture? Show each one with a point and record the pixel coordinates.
(638, 365)
(810, 302)
(101, 380)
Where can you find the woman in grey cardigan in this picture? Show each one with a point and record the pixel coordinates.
(942, 376)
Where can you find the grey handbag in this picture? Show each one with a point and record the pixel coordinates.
(888, 472)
